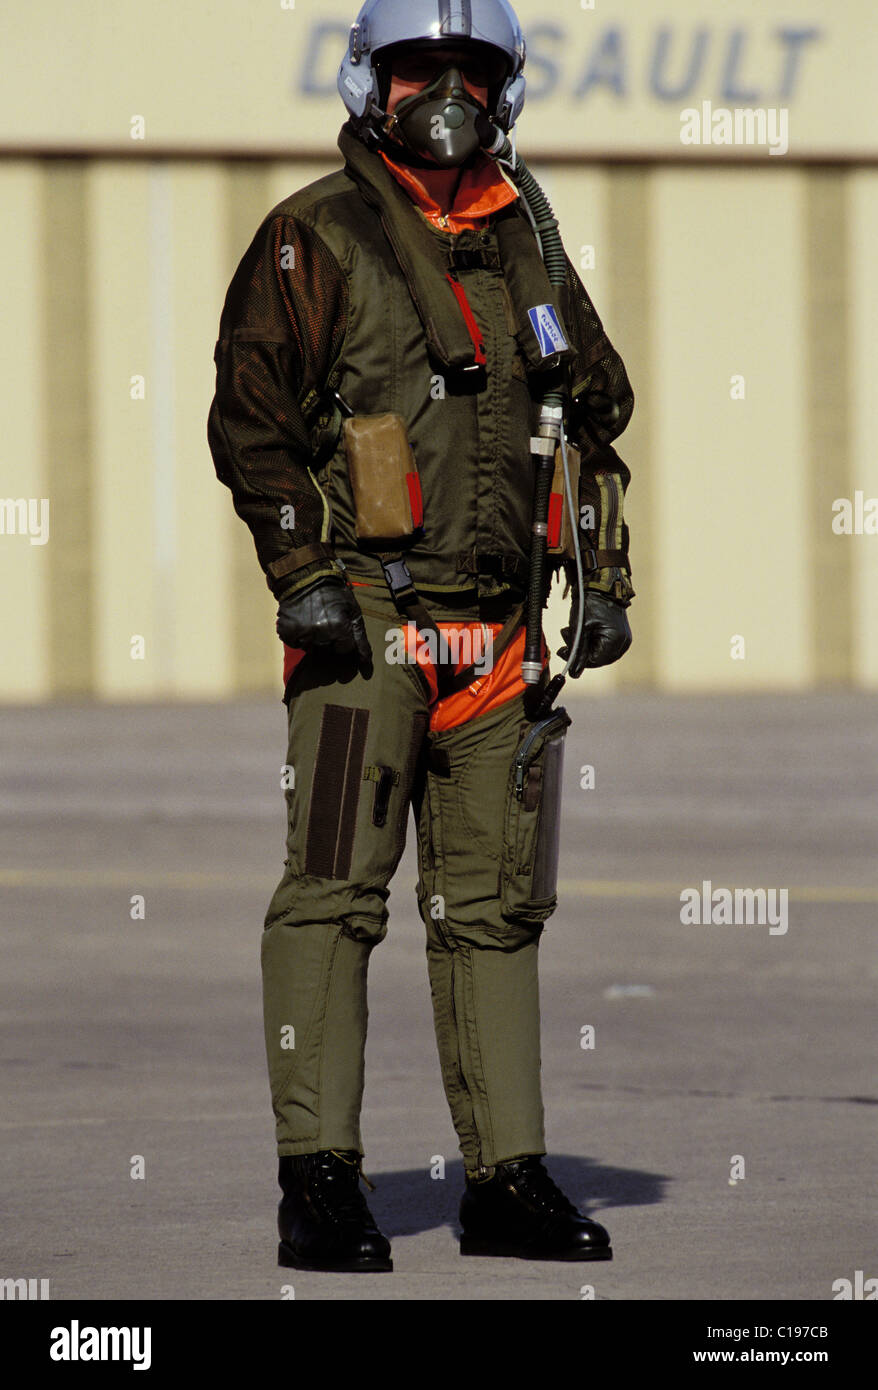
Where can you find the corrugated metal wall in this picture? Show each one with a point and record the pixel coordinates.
(116, 272)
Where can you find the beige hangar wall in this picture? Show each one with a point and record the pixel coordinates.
(705, 273)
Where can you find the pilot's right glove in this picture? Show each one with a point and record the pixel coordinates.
(328, 617)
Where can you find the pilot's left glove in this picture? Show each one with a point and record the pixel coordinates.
(605, 634)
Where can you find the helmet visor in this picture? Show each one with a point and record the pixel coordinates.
(480, 63)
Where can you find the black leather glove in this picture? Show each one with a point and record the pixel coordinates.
(605, 632)
(326, 616)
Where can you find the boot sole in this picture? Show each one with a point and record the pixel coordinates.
(478, 1245)
(288, 1258)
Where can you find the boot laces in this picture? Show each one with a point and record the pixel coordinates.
(537, 1185)
(337, 1191)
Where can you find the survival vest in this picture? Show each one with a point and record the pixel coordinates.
(424, 307)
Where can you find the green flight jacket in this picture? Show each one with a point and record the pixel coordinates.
(323, 300)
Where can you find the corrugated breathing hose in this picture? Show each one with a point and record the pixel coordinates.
(550, 428)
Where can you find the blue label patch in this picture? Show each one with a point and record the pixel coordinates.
(548, 329)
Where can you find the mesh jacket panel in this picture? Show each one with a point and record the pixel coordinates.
(600, 390)
(282, 326)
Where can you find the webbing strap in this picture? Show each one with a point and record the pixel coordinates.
(295, 559)
(409, 604)
(603, 559)
(469, 319)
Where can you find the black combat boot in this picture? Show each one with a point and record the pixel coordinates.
(323, 1220)
(516, 1209)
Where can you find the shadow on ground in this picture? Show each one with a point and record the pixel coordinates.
(408, 1202)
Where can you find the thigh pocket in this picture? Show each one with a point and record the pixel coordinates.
(529, 870)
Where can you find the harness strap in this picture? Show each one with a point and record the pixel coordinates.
(408, 602)
(410, 605)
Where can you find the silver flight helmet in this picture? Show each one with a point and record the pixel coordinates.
(437, 125)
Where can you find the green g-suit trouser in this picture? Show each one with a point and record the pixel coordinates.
(360, 753)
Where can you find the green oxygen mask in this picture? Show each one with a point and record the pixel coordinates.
(439, 121)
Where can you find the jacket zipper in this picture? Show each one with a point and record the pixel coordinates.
(613, 511)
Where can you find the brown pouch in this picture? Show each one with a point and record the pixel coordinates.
(561, 523)
(384, 477)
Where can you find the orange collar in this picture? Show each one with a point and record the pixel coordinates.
(481, 192)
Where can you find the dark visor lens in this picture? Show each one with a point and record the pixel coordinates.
(482, 66)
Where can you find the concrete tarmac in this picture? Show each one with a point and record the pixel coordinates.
(722, 1126)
